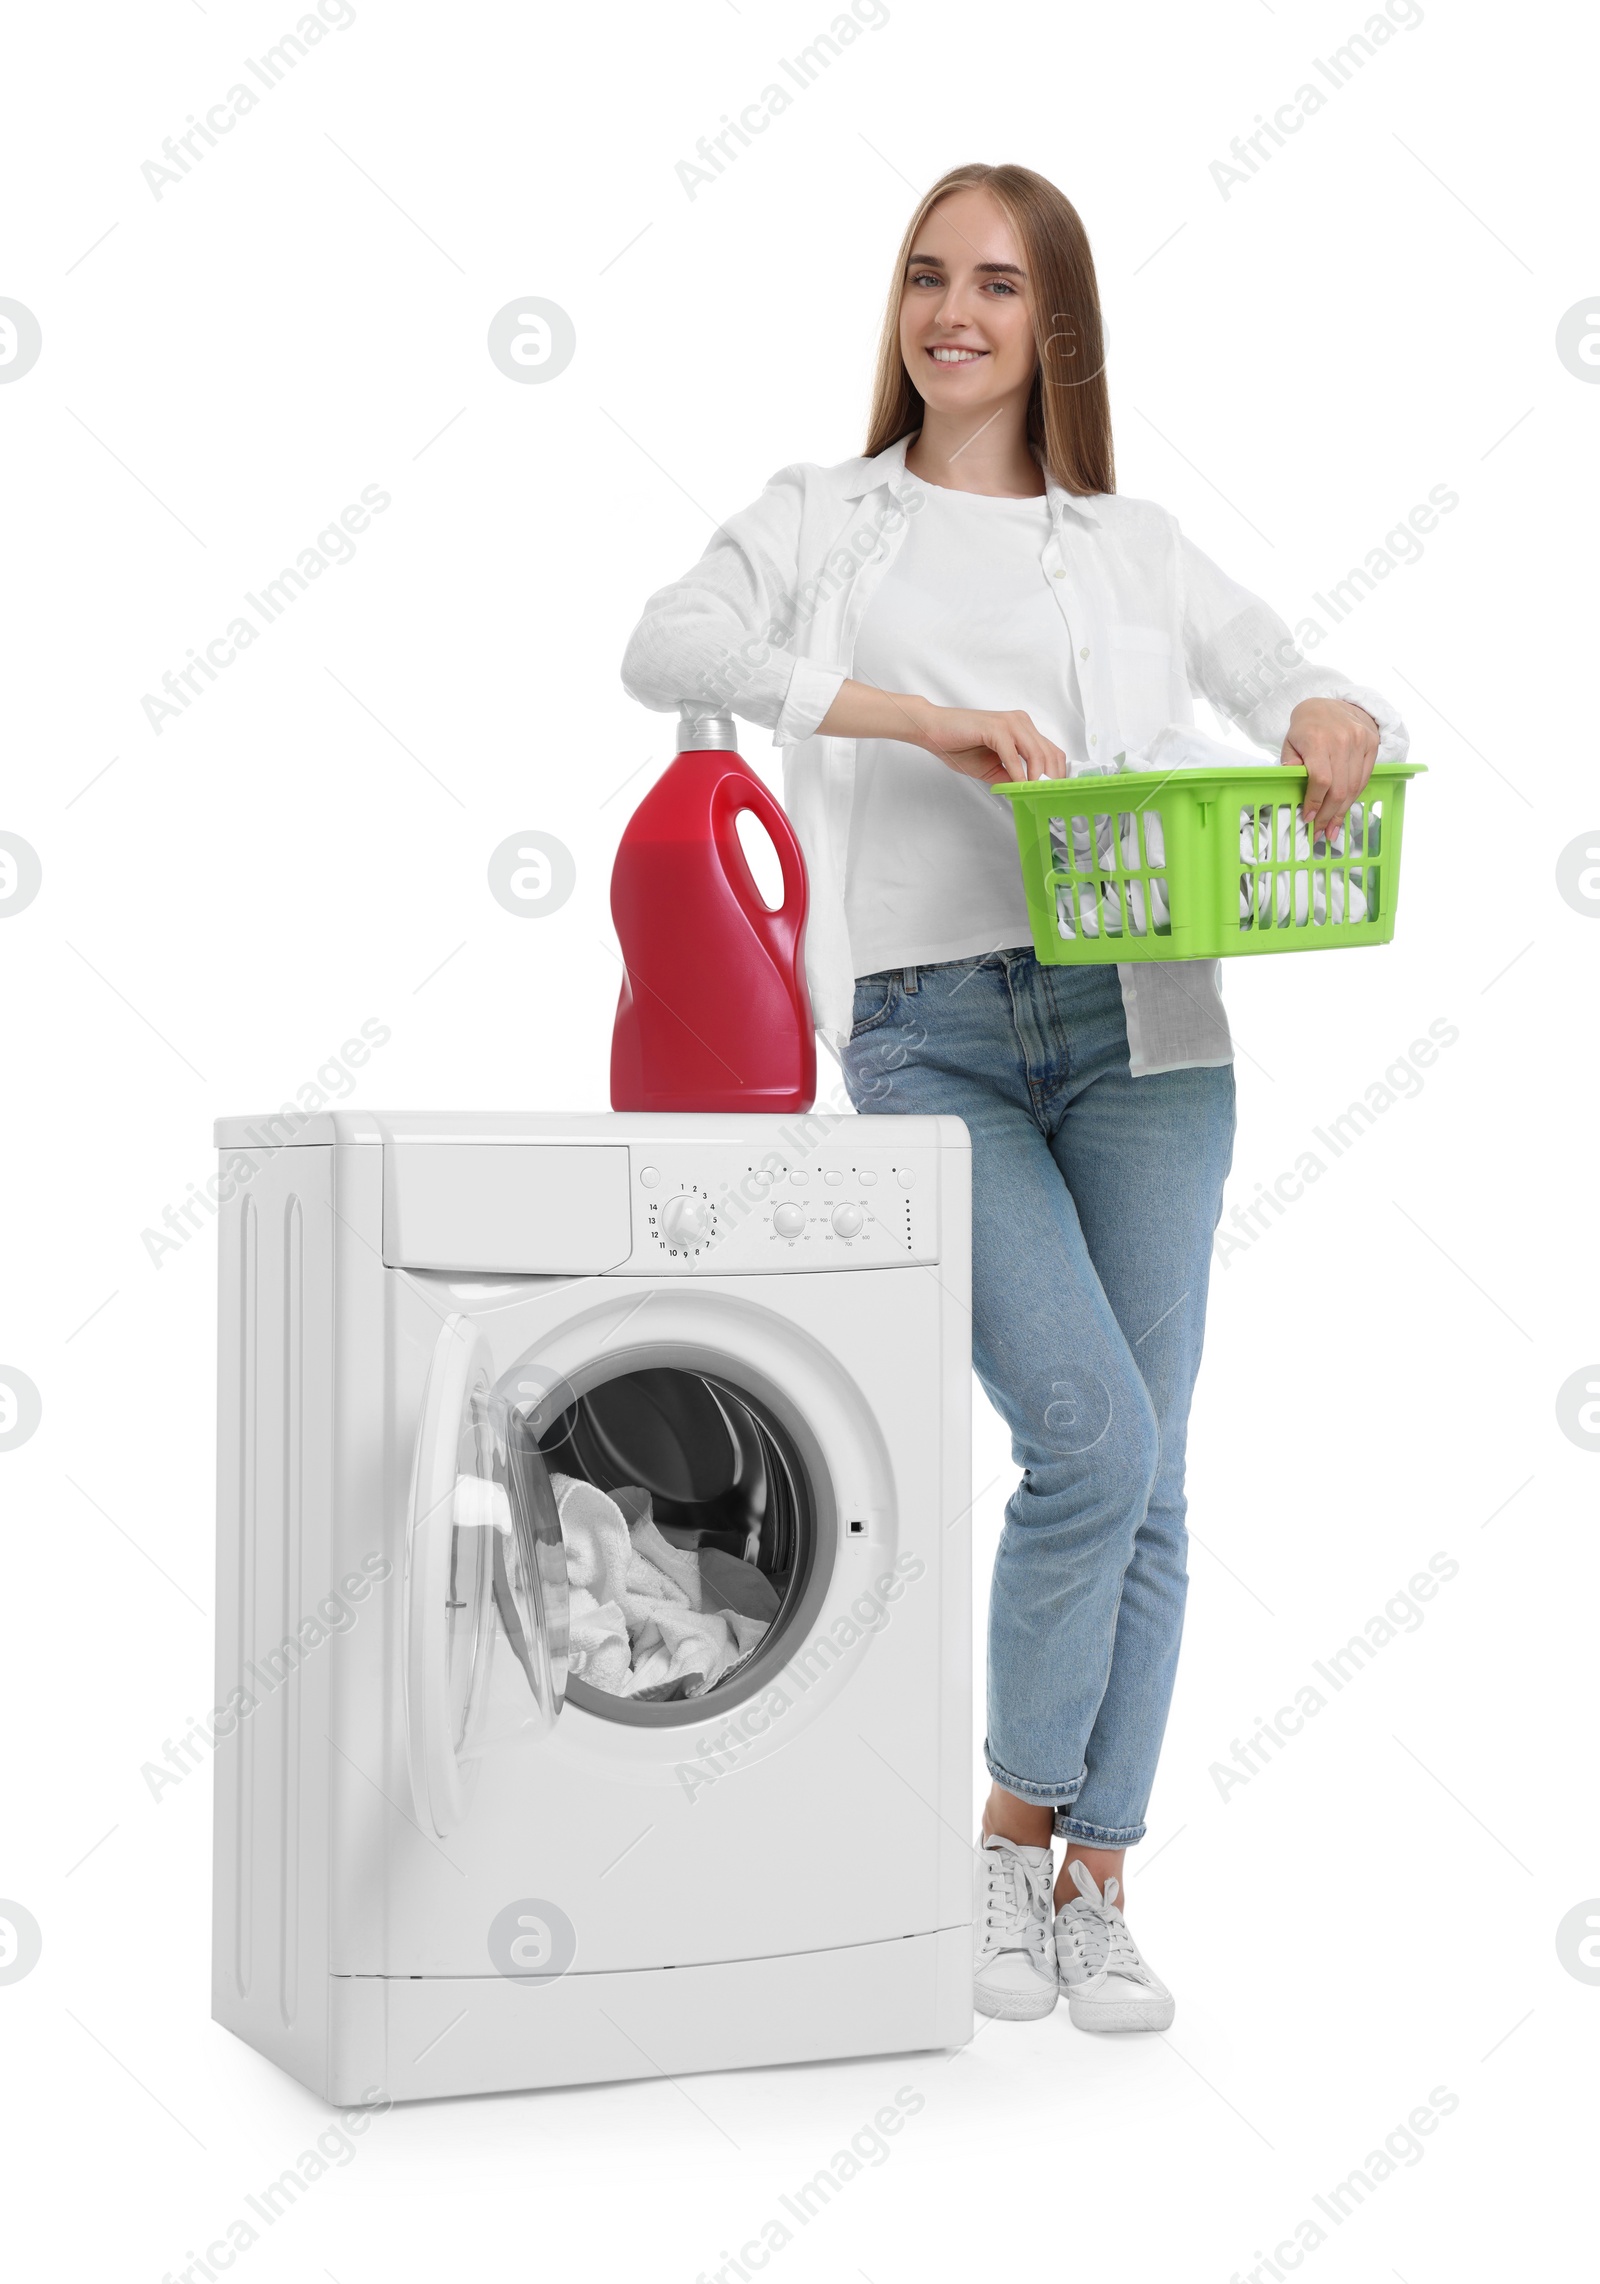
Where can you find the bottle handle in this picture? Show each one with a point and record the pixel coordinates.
(780, 930)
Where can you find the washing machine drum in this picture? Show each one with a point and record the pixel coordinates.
(717, 1476)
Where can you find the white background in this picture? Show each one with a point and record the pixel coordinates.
(1293, 366)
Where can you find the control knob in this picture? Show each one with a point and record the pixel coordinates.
(686, 1220)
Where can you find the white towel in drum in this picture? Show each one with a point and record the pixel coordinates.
(641, 1613)
(601, 1553)
(598, 1644)
(699, 1643)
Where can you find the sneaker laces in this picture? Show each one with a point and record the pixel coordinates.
(1099, 1932)
(1017, 1895)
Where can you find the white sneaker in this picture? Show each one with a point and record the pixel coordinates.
(1107, 1983)
(1014, 1973)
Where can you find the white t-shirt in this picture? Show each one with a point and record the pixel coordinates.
(963, 616)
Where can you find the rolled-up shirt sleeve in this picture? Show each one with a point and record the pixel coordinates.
(721, 633)
(1242, 658)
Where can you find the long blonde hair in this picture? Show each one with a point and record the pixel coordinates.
(1069, 406)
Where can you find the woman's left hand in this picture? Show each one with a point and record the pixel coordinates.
(1336, 743)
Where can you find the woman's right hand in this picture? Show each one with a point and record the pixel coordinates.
(992, 747)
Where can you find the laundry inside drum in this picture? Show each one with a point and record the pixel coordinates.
(688, 1526)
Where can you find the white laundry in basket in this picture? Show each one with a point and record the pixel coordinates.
(1179, 747)
(1092, 912)
(1319, 888)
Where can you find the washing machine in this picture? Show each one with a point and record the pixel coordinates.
(447, 1859)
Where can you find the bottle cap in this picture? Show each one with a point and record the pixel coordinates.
(704, 728)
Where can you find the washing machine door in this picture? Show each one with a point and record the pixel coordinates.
(485, 1600)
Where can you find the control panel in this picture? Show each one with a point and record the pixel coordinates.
(716, 1209)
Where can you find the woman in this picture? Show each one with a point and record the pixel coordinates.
(974, 601)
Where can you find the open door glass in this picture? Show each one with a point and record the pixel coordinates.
(485, 1583)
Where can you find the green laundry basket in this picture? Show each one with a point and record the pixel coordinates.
(1201, 864)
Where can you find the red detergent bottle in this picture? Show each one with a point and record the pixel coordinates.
(714, 1013)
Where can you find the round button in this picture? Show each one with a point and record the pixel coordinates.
(905, 1176)
(847, 1219)
(789, 1220)
(866, 1177)
(686, 1220)
(1084, 652)
(833, 1177)
(799, 1178)
(649, 1175)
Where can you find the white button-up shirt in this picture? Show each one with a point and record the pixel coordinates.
(765, 626)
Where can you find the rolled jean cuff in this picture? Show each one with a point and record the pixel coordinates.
(1057, 1796)
(1097, 1835)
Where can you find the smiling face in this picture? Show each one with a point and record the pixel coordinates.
(966, 329)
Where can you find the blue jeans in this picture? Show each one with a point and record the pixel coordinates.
(1095, 1196)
